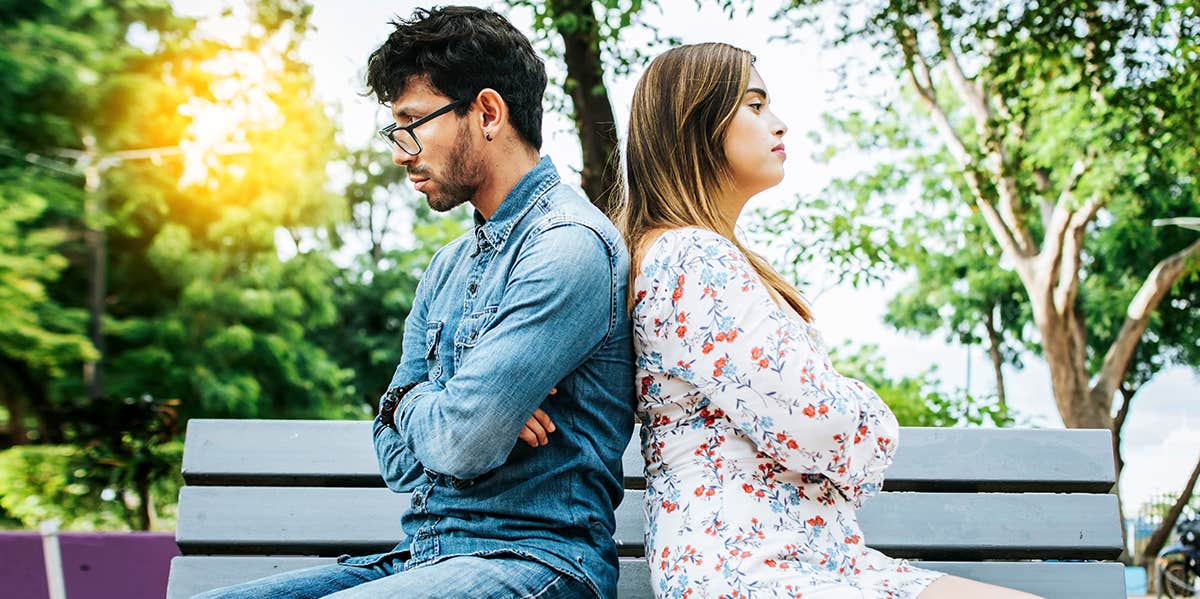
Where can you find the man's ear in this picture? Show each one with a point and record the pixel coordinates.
(492, 113)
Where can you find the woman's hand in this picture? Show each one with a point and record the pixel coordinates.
(538, 427)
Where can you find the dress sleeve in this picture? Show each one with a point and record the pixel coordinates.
(706, 317)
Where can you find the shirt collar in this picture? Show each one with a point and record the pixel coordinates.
(536, 182)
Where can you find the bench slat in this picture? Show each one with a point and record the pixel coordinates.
(1078, 580)
(339, 454)
(955, 526)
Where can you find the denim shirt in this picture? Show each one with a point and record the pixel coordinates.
(532, 299)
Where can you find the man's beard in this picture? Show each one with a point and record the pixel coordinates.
(460, 179)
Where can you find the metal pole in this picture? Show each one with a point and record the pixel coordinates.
(52, 556)
(93, 372)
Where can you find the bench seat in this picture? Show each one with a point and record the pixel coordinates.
(1029, 509)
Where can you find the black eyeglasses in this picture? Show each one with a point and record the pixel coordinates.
(404, 137)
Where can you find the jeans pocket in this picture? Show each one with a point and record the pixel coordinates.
(388, 563)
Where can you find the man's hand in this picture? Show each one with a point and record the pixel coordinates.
(538, 427)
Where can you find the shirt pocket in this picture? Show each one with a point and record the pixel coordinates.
(433, 333)
(470, 329)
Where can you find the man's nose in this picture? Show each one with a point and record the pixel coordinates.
(401, 158)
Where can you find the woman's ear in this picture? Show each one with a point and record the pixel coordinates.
(493, 113)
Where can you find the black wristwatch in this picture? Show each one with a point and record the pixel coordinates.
(391, 401)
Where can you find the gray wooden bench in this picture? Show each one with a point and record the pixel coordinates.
(1030, 509)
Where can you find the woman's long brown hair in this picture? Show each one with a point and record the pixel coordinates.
(674, 165)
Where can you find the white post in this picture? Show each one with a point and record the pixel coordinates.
(55, 583)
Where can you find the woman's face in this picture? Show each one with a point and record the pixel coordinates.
(754, 143)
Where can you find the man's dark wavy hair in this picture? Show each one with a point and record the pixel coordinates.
(463, 50)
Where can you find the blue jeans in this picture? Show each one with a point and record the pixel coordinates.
(384, 575)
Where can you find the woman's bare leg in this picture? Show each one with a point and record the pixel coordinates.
(953, 587)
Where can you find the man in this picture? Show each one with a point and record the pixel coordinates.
(513, 401)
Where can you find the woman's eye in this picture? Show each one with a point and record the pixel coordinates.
(756, 106)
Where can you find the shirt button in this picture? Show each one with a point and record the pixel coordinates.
(472, 287)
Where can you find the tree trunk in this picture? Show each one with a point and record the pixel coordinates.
(1118, 427)
(97, 245)
(34, 391)
(16, 417)
(592, 110)
(1064, 346)
(997, 359)
(1159, 538)
(142, 488)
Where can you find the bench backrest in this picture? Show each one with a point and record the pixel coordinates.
(954, 497)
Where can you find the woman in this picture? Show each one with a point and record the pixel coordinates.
(757, 451)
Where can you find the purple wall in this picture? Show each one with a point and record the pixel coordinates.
(22, 573)
(132, 565)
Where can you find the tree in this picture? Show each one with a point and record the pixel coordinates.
(203, 308)
(40, 338)
(64, 61)
(1056, 118)
(586, 35)
(200, 311)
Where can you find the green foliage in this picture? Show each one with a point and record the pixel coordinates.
(60, 482)
(919, 400)
(374, 293)
(36, 332)
(202, 308)
(1065, 85)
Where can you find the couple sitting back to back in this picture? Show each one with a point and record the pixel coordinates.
(535, 339)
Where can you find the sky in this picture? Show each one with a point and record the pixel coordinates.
(1162, 433)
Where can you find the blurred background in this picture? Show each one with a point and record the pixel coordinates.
(991, 205)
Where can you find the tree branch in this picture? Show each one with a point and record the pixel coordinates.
(1159, 537)
(1137, 316)
(1060, 217)
(918, 73)
(997, 156)
(1065, 267)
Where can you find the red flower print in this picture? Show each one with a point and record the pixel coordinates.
(756, 353)
(763, 363)
(681, 331)
(678, 293)
(810, 411)
(707, 348)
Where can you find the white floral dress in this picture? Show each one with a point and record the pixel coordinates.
(757, 452)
